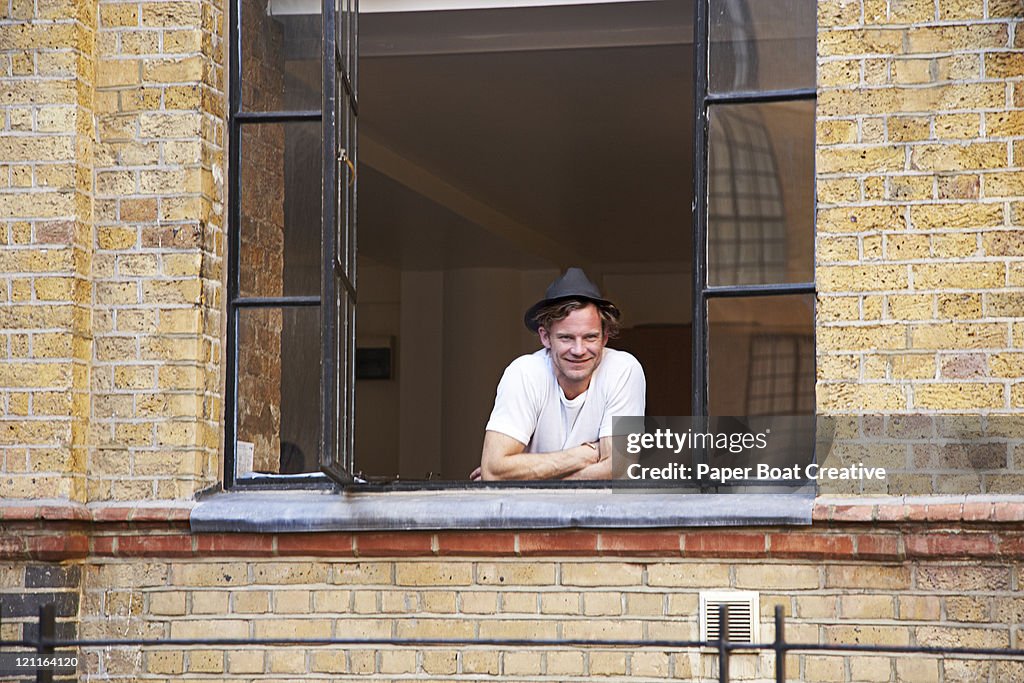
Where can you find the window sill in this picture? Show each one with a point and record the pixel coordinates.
(294, 511)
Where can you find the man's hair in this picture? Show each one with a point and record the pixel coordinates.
(560, 310)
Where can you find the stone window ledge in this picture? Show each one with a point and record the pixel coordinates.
(292, 511)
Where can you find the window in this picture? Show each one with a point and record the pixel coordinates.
(499, 143)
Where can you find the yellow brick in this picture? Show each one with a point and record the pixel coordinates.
(522, 603)
(860, 41)
(956, 157)
(363, 573)
(845, 366)
(910, 188)
(434, 574)
(956, 216)
(862, 159)
(906, 71)
(867, 607)
(959, 157)
(915, 670)
(440, 662)
(956, 37)
(602, 629)
(565, 663)
(522, 663)
(839, 72)
(825, 668)
(296, 628)
(796, 577)
(871, 668)
(559, 603)
(602, 604)
(206, 661)
(648, 664)
(860, 219)
(959, 336)
(1004, 65)
(245, 661)
(967, 608)
(430, 628)
(959, 187)
(1004, 123)
(871, 246)
(601, 574)
(912, 366)
(832, 132)
(861, 278)
(960, 306)
(958, 275)
(837, 190)
(607, 663)
(477, 662)
(165, 662)
(645, 604)
(851, 396)
(438, 601)
(169, 603)
(817, 607)
(958, 395)
(209, 628)
(209, 574)
(515, 574)
(292, 602)
(920, 607)
(1004, 304)
(906, 247)
(397, 661)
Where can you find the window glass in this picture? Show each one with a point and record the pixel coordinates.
(280, 210)
(278, 389)
(761, 193)
(762, 45)
(761, 355)
(280, 58)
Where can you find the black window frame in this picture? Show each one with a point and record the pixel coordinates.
(340, 73)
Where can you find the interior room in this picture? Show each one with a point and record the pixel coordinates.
(497, 147)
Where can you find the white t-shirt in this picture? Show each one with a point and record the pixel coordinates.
(532, 409)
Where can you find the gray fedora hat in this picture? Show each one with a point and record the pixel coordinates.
(573, 284)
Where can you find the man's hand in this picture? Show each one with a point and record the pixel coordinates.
(503, 458)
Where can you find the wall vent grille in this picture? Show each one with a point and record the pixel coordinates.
(744, 608)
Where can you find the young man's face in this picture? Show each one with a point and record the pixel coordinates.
(576, 343)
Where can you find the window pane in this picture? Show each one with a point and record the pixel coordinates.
(761, 193)
(762, 45)
(761, 355)
(279, 389)
(280, 234)
(280, 59)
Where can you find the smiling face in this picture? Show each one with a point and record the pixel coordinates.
(576, 343)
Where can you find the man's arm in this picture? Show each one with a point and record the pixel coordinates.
(602, 469)
(503, 458)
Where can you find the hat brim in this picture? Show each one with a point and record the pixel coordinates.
(530, 317)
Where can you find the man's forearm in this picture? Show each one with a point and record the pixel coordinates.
(527, 466)
(598, 470)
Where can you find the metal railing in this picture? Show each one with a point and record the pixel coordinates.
(46, 644)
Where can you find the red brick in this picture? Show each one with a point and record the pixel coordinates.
(104, 545)
(64, 546)
(160, 514)
(149, 545)
(878, 546)
(62, 512)
(852, 513)
(950, 545)
(640, 543)
(946, 512)
(977, 512)
(811, 545)
(111, 514)
(12, 547)
(244, 545)
(724, 544)
(1008, 512)
(476, 543)
(917, 512)
(20, 512)
(558, 543)
(891, 513)
(326, 544)
(1011, 546)
(394, 543)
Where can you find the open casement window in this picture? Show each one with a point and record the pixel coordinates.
(665, 146)
(753, 334)
(339, 248)
(291, 242)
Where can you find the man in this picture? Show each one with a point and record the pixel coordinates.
(552, 416)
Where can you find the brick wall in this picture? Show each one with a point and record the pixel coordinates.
(920, 259)
(47, 70)
(884, 574)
